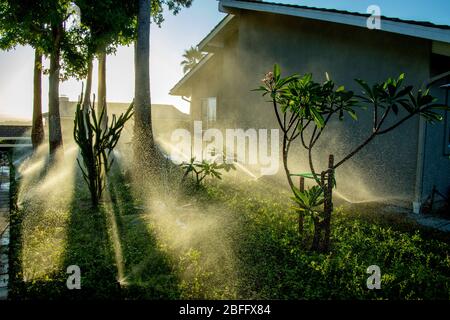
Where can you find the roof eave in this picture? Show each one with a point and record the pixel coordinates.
(403, 28)
(180, 88)
(208, 43)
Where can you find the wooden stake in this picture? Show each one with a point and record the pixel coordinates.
(300, 214)
(328, 205)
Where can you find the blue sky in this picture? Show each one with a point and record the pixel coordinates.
(437, 11)
(167, 46)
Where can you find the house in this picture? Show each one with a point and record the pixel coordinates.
(402, 166)
(165, 118)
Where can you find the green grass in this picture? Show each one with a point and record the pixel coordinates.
(274, 264)
(239, 241)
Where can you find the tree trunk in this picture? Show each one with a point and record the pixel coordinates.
(37, 130)
(286, 145)
(300, 214)
(315, 246)
(87, 93)
(328, 206)
(102, 89)
(317, 243)
(54, 125)
(144, 149)
(322, 229)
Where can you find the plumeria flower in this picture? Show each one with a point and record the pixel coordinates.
(268, 80)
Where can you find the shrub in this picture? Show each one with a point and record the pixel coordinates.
(204, 169)
(96, 146)
(272, 264)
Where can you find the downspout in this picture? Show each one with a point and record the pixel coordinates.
(420, 171)
(418, 187)
(420, 163)
(417, 203)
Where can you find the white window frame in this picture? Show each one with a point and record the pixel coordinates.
(209, 110)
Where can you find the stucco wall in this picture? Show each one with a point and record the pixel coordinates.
(205, 83)
(387, 167)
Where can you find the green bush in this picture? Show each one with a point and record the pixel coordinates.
(203, 169)
(275, 265)
(268, 258)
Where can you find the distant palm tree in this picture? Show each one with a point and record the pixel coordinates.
(191, 57)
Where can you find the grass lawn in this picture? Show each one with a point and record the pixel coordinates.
(225, 241)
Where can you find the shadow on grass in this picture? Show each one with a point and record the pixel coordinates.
(88, 246)
(15, 243)
(91, 240)
(148, 272)
(34, 226)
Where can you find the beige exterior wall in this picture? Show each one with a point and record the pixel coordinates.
(386, 169)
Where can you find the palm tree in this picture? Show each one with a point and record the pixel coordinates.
(146, 154)
(191, 57)
(144, 143)
(101, 89)
(37, 130)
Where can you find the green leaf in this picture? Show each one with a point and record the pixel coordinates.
(318, 119)
(365, 86)
(276, 72)
(340, 89)
(352, 114)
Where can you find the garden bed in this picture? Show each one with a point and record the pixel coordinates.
(226, 240)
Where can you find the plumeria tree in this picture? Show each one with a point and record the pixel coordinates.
(304, 110)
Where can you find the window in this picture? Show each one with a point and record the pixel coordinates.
(209, 108)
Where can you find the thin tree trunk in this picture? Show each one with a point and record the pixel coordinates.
(87, 96)
(102, 89)
(87, 93)
(37, 130)
(300, 214)
(144, 149)
(55, 135)
(286, 146)
(328, 205)
(315, 246)
(318, 225)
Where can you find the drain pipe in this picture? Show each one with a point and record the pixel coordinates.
(417, 203)
(420, 163)
(421, 154)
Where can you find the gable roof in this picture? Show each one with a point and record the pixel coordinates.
(214, 39)
(419, 29)
(224, 27)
